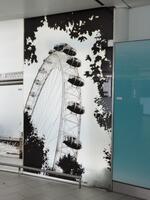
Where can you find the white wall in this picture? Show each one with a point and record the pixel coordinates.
(11, 45)
(11, 60)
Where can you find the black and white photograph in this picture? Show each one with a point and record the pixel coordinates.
(74, 100)
(68, 94)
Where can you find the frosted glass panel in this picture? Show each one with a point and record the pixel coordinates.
(131, 161)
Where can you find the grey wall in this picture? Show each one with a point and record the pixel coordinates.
(139, 23)
(132, 24)
(121, 24)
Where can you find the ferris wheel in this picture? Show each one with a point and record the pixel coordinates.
(61, 59)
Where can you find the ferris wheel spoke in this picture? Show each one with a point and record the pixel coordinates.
(45, 103)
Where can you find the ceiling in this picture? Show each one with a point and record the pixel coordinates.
(13, 9)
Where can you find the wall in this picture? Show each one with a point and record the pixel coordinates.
(11, 101)
(11, 40)
(121, 24)
(131, 24)
(139, 23)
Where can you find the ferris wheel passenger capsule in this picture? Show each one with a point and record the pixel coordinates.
(60, 47)
(76, 108)
(76, 80)
(72, 142)
(74, 62)
(67, 49)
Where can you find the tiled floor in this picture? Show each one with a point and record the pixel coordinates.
(15, 187)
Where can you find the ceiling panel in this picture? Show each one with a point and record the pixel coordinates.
(12, 9)
(124, 3)
(137, 3)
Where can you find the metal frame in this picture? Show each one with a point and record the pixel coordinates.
(79, 178)
(13, 78)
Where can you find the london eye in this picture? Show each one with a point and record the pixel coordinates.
(63, 65)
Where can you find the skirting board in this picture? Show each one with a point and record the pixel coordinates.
(131, 190)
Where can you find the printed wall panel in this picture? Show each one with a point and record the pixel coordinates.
(68, 94)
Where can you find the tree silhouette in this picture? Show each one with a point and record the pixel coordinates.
(108, 156)
(100, 68)
(76, 24)
(34, 153)
(69, 165)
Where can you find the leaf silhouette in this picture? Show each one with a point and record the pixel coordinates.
(88, 58)
(82, 38)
